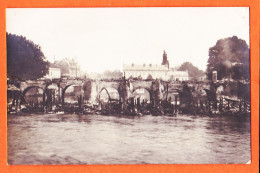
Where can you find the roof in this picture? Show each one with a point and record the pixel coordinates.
(53, 65)
(150, 67)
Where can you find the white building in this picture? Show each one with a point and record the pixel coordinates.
(69, 67)
(54, 73)
(145, 71)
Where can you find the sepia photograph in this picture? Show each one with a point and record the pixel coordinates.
(146, 85)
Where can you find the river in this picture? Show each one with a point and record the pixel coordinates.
(96, 139)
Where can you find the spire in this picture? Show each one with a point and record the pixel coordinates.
(165, 60)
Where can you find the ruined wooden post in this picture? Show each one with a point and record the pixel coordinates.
(132, 105)
(43, 100)
(138, 103)
(80, 102)
(215, 104)
(221, 104)
(16, 101)
(120, 104)
(50, 100)
(62, 97)
(245, 106)
(240, 106)
(176, 102)
(59, 93)
(167, 88)
(209, 106)
(201, 105)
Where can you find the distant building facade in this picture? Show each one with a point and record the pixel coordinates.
(148, 71)
(69, 68)
(74, 69)
(54, 72)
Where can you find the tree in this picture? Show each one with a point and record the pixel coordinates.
(230, 56)
(193, 71)
(25, 59)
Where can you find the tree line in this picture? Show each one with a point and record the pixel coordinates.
(230, 57)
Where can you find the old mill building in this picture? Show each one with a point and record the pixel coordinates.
(148, 71)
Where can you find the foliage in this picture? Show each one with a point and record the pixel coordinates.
(193, 71)
(229, 57)
(25, 59)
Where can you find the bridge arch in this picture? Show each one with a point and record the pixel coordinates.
(65, 89)
(112, 93)
(146, 95)
(50, 95)
(28, 89)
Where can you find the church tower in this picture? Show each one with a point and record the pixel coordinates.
(165, 60)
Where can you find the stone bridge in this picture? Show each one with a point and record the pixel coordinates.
(124, 89)
(58, 86)
(91, 89)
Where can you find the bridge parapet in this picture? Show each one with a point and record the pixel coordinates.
(140, 84)
(24, 85)
(107, 84)
(66, 83)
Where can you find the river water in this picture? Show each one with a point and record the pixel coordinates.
(96, 139)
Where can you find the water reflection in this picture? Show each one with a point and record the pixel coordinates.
(96, 139)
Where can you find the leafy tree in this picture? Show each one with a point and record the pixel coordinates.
(230, 56)
(193, 71)
(25, 59)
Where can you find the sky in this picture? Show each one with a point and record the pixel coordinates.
(106, 38)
